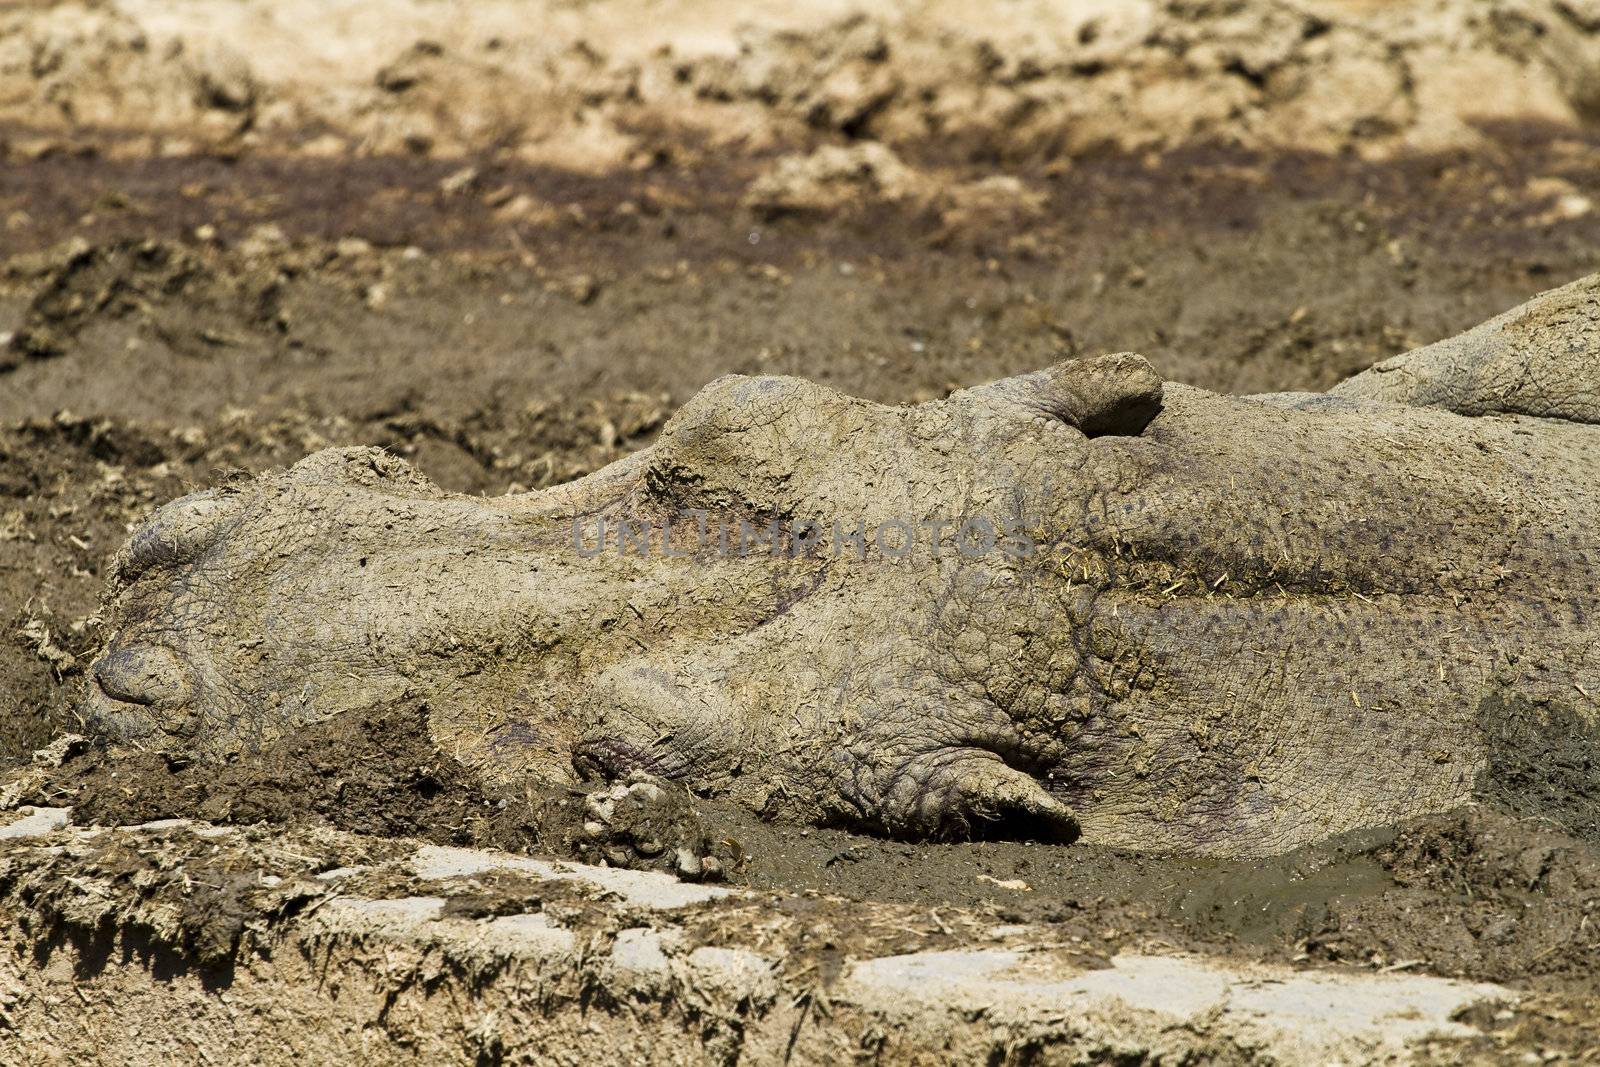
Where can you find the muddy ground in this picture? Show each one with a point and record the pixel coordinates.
(174, 317)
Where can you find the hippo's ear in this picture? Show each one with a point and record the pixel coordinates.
(1115, 394)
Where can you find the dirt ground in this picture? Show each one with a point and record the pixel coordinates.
(177, 313)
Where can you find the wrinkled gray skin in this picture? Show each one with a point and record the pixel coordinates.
(1249, 622)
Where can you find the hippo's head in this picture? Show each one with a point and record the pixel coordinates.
(766, 595)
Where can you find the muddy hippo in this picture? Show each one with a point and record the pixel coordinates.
(1080, 600)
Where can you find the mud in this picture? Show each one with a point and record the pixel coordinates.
(619, 83)
(1492, 892)
(378, 772)
(233, 280)
(403, 955)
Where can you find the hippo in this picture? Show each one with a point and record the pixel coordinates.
(1082, 603)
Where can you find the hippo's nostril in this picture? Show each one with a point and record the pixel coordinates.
(176, 532)
(142, 674)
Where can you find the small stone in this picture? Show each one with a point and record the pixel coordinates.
(263, 240)
(599, 806)
(459, 182)
(582, 288)
(1015, 885)
(648, 792)
(326, 146)
(688, 865)
(223, 79)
